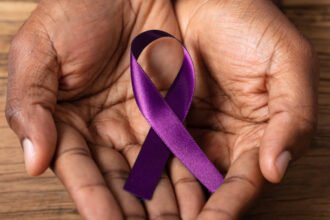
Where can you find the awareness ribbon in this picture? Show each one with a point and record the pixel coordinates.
(167, 133)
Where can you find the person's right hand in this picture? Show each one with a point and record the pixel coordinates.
(70, 100)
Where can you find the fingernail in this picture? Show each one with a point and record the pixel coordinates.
(282, 162)
(29, 152)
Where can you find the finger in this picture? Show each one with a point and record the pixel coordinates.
(292, 84)
(163, 202)
(115, 170)
(188, 191)
(82, 178)
(31, 97)
(241, 186)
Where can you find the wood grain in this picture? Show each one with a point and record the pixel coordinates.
(304, 193)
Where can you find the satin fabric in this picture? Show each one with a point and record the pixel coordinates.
(165, 116)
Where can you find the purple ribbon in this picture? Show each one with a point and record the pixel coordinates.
(167, 133)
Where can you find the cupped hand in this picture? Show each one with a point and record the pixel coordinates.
(255, 102)
(71, 104)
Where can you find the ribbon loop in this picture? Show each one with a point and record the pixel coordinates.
(167, 133)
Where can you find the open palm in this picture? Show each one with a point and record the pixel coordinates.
(70, 100)
(254, 106)
(73, 59)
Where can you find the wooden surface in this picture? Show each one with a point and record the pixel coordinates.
(304, 194)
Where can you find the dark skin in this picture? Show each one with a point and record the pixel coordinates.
(71, 104)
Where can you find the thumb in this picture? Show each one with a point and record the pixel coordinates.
(32, 95)
(292, 89)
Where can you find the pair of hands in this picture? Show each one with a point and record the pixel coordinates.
(71, 104)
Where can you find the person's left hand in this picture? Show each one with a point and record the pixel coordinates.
(255, 98)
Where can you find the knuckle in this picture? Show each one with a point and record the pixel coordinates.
(63, 155)
(132, 216)
(12, 114)
(18, 43)
(309, 127)
(241, 180)
(306, 49)
(215, 213)
(116, 174)
(184, 181)
(306, 121)
(74, 151)
(89, 188)
(30, 40)
(18, 48)
(70, 153)
(165, 216)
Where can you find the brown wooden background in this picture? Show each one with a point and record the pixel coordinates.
(304, 194)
